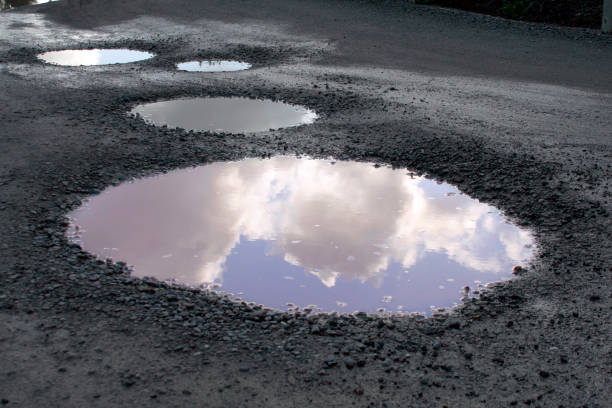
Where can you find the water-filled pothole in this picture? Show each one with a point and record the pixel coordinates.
(9, 4)
(343, 236)
(96, 56)
(213, 66)
(232, 115)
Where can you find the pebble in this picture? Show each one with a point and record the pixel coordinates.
(350, 363)
(331, 361)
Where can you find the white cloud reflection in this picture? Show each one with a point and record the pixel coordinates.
(348, 220)
(94, 56)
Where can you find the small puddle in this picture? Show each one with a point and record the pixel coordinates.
(286, 231)
(94, 57)
(9, 4)
(213, 66)
(232, 115)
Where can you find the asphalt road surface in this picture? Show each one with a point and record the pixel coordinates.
(517, 115)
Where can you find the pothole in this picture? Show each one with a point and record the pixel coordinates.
(213, 66)
(288, 231)
(9, 4)
(104, 56)
(231, 115)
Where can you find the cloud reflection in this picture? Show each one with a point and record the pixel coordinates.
(94, 56)
(345, 220)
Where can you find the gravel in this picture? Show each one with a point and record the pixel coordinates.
(82, 331)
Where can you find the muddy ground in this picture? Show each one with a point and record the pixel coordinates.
(517, 115)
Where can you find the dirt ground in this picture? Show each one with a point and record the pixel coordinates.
(517, 115)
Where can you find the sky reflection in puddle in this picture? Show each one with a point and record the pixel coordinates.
(94, 56)
(213, 66)
(9, 4)
(343, 236)
(233, 115)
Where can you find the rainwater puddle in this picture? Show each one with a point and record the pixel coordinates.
(9, 4)
(286, 231)
(213, 66)
(232, 115)
(94, 57)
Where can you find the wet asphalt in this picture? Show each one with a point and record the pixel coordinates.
(516, 115)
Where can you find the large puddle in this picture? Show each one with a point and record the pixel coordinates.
(286, 231)
(232, 115)
(94, 56)
(213, 66)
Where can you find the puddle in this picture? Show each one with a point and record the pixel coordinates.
(213, 66)
(232, 115)
(94, 57)
(286, 231)
(9, 4)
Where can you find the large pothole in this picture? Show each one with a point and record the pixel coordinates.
(287, 231)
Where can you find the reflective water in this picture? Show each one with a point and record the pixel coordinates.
(94, 57)
(343, 236)
(231, 115)
(8, 4)
(213, 66)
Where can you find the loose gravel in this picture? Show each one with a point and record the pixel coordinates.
(78, 331)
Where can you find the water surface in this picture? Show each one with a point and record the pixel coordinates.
(94, 56)
(8, 4)
(232, 115)
(343, 236)
(213, 66)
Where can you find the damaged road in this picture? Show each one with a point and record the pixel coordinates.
(516, 115)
